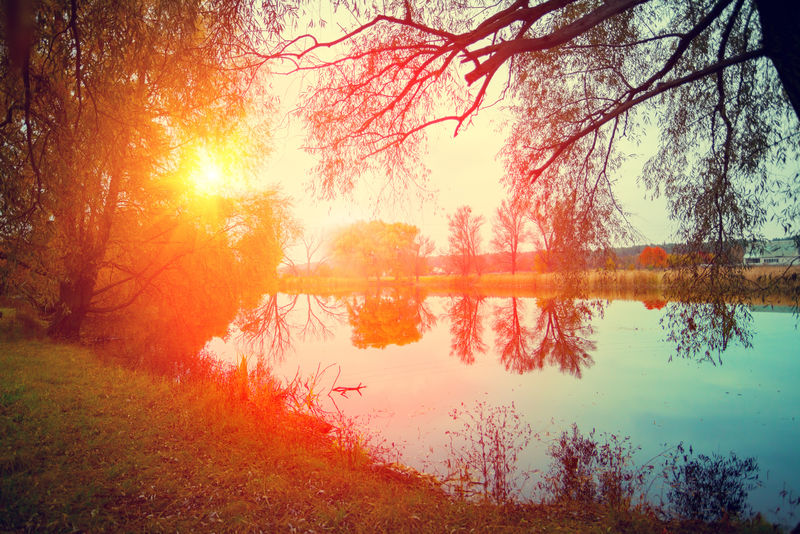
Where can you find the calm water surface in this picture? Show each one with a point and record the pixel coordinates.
(602, 365)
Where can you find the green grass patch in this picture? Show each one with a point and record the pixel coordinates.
(92, 446)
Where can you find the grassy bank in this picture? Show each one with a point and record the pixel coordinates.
(628, 284)
(89, 446)
(92, 446)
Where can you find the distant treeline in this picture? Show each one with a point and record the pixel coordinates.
(497, 262)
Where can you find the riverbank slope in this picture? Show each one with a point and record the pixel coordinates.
(93, 446)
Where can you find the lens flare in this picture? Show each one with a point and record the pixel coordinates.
(209, 174)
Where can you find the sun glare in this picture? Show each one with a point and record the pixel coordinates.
(208, 175)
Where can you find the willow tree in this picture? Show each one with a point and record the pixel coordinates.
(717, 78)
(105, 104)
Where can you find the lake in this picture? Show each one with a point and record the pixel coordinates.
(435, 370)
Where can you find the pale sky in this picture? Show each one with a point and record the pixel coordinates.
(464, 170)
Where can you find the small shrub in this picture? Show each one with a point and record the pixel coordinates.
(709, 488)
(588, 470)
(483, 453)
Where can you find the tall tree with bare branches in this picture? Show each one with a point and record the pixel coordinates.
(509, 225)
(464, 240)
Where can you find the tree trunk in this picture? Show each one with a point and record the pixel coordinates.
(782, 43)
(74, 301)
(76, 289)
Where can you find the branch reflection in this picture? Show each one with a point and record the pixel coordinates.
(559, 338)
(266, 330)
(709, 310)
(704, 330)
(466, 327)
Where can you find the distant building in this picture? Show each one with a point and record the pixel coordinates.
(776, 252)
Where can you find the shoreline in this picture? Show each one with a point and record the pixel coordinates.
(609, 285)
(92, 445)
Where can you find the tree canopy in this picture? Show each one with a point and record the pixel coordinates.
(716, 78)
(106, 107)
(377, 248)
(653, 257)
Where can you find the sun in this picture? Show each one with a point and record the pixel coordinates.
(208, 175)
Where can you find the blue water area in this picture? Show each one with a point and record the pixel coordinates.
(433, 367)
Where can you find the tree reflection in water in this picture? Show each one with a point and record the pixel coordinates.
(560, 336)
(466, 327)
(266, 331)
(380, 318)
(483, 453)
(591, 470)
(709, 309)
(704, 330)
(555, 332)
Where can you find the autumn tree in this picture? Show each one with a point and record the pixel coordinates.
(714, 80)
(653, 257)
(423, 247)
(375, 248)
(212, 269)
(464, 240)
(509, 226)
(313, 250)
(105, 104)
(565, 230)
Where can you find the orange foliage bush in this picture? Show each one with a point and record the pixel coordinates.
(653, 257)
(654, 304)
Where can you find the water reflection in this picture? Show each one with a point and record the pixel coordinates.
(704, 330)
(483, 454)
(266, 330)
(593, 469)
(379, 319)
(559, 336)
(654, 304)
(554, 332)
(632, 391)
(529, 333)
(710, 309)
(466, 327)
(321, 314)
